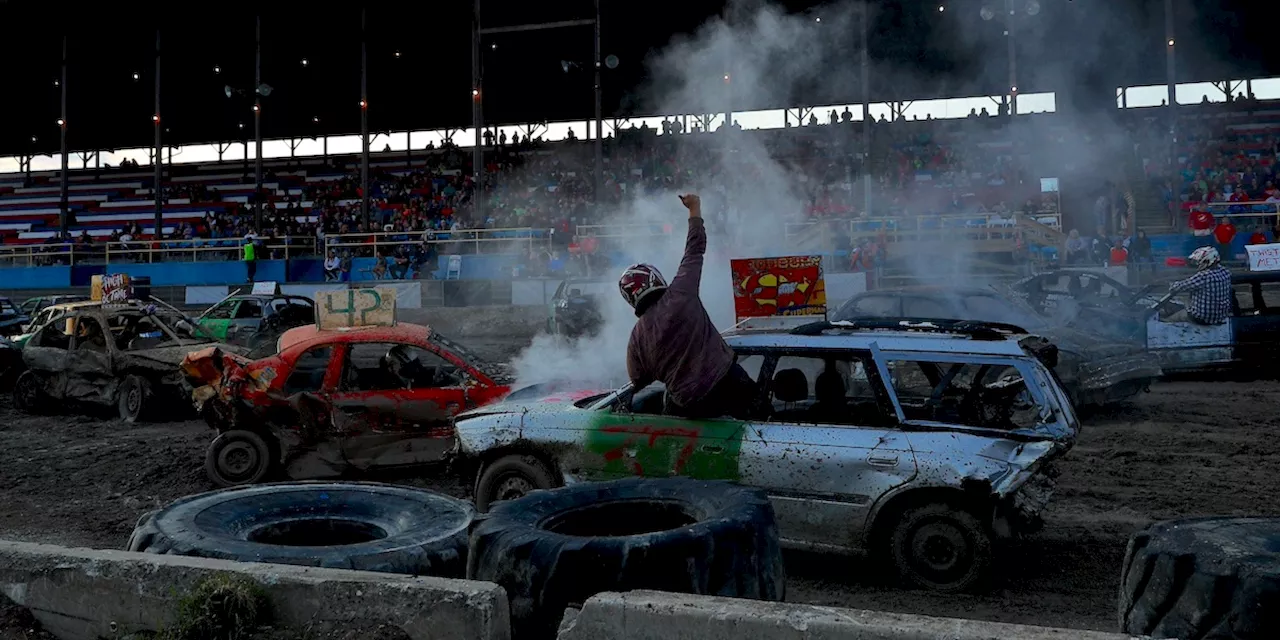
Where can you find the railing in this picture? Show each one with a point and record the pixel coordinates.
(151, 251)
(925, 227)
(1257, 210)
(512, 240)
(632, 230)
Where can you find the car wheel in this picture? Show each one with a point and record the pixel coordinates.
(29, 395)
(238, 457)
(347, 525)
(553, 549)
(1214, 578)
(135, 398)
(940, 547)
(510, 478)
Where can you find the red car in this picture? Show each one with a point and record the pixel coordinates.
(332, 402)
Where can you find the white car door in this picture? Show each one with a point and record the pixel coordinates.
(829, 451)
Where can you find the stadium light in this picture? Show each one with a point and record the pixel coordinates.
(494, 46)
(1033, 7)
(57, 83)
(818, 20)
(315, 119)
(135, 75)
(941, 8)
(304, 62)
(256, 108)
(217, 69)
(475, 93)
(156, 118)
(726, 77)
(241, 125)
(1171, 42)
(34, 139)
(364, 104)
(61, 122)
(397, 54)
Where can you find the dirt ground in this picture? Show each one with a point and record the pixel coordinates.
(1186, 449)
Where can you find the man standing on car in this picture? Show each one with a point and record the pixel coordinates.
(675, 342)
(1210, 289)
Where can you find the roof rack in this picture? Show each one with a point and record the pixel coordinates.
(972, 328)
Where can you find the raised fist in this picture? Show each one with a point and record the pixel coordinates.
(693, 203)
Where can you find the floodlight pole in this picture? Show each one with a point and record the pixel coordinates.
(257, 126)
(476, 114)
(477, 111)
(364, 122)
(599, 150)
(866, 109)
(65, 185)
(1171, 81)
(158, 164)
(1013, 58)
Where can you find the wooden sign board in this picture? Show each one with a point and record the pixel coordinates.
(109, 288)
(350, 308)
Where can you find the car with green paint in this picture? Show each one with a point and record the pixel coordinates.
(252, 319)
(922, 443)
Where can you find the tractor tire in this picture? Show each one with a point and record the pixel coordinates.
(1203, 578)
(554, 549)
(343, 525)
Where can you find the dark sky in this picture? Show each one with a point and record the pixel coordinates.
(428, 85)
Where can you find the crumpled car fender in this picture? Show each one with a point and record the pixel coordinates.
(222, 374)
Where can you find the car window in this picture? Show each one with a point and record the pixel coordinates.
(922, 307)
(136, 332)
(222, 311)
(248, 309)
(751, 364)
(877, 306)
(308, 371)
(53, 336)
(973, 394)
(390, 366)
(835, 389)
(89, 335)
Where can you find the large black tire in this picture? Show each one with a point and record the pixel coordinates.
(345, 525)
(1203, 578)
(510, 478)
(29, 395)
(239, 457)
(940, 547)
(552, 549)
(134, 399)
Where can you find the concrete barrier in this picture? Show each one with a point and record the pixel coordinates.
(651, 615)
(88, 594)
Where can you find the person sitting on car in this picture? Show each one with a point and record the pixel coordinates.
(1210, 290)
(675, 342)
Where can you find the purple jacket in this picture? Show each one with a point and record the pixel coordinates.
(674, 341)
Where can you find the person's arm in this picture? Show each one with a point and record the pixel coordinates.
(1190, 284)
(689, 275)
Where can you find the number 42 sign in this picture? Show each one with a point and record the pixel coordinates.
(348, 308)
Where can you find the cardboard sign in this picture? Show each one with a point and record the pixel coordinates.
(349, 308)
(109, 288)
(790, 286)
(266, 288)
(1264, 257)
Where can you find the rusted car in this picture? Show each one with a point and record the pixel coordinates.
(122, 355)
(336, 401)
(922, 443)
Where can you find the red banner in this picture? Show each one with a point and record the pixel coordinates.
(790, 286)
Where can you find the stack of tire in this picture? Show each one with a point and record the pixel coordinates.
(1203, 578)
(550, 550)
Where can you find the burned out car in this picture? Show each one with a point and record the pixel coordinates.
(122, 355)
(576, 307)
(336, 401)
(1087, 301)
(922, 444)
(1094, 370)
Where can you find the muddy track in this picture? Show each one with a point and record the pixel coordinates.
(1185, 449)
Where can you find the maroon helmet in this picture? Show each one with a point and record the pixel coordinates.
(638, 281)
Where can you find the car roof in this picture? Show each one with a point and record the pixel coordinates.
(312, 334)
(71, 306)
(1250, 277)
(885, 340)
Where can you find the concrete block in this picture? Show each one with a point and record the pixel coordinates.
(87, 594)
(651, 615)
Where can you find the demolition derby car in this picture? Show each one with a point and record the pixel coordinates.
(1248, 339)
(336, 401)
(253, 319)
(11, 318)
(1094, 372)
(576, 307)
(921, 442)
(122, 355)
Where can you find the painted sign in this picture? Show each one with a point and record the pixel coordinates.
(1264, 257)
(789, 286)
(266, 288)
(109, 288)
(348, 308)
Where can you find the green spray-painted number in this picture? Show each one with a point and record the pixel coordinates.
(658, 446)
(351, 310)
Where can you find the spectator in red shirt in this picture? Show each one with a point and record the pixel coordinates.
(1259, 236)
(1224, 233)
(1201, 223)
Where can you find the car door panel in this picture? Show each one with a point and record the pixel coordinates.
(624, 444)
(89, 374)
(824, 479)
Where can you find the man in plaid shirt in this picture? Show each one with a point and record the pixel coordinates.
(1210, 289)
